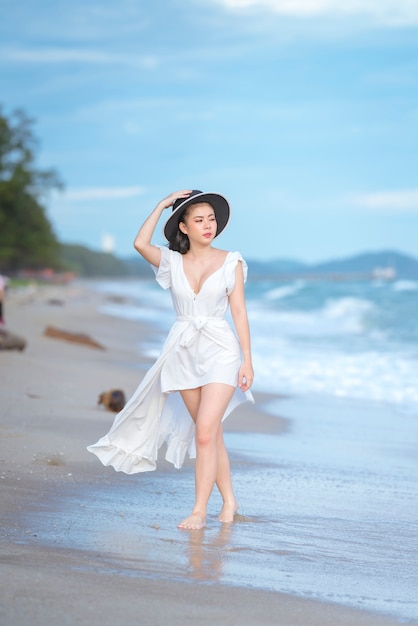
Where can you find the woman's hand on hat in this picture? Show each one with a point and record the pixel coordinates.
(170, 200)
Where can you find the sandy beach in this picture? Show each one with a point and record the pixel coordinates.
(83, 544)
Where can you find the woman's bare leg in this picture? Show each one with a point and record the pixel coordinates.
(224, 481)
(209, 410)
(223, 476)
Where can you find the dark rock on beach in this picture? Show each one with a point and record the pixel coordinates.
(10, 341)
(113, 400)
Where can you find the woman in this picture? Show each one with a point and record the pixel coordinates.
(201, 358)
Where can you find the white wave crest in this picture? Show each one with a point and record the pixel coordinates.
(372, 375)
(405, 285)
(338, 316)
(278, 293)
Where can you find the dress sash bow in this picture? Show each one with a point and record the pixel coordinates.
(196, 324)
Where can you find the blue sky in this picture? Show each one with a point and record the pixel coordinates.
(304, 113)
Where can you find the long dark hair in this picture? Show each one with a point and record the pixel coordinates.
(180, 242)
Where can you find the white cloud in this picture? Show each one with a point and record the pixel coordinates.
(388, 12)
(75, 55)
(405, 200)
(102, 193)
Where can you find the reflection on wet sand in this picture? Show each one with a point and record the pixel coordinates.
(206, 557)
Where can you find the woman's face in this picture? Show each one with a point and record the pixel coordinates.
(200, 223)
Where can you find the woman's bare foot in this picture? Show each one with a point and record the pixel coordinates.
(228, 511)
(195, 521)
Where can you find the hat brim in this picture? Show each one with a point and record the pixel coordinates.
(220, 206)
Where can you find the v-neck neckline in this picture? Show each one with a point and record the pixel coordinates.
(206, 279)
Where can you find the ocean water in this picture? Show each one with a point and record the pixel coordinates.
(331, 504)
(335, 339)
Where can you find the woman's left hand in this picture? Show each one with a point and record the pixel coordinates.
(245, 376)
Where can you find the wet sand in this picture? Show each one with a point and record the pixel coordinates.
(81, 543)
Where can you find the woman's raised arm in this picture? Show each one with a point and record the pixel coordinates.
(142, 242)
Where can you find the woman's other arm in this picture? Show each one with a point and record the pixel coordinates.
(240, 317)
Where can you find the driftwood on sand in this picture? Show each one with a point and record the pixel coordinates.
(10, 341)
(66, 335)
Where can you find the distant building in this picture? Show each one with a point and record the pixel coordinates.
(108, 243)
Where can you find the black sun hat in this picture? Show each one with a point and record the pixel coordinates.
(219, 203)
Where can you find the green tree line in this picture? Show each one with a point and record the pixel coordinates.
(88, 263)
(26, 235)
(27, 239)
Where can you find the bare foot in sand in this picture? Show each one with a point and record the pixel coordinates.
(228, 511)
(195, 521)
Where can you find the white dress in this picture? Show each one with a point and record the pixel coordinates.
(201, 348)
